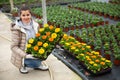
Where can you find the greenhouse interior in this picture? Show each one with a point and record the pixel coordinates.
(84, 35)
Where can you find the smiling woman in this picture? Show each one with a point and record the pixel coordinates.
(24, 29)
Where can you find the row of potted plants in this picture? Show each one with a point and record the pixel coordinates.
(115, 1)
(16, 2)
(111, 11)
(105, 39)
(89, 58)
(68, 18)
(61, 1)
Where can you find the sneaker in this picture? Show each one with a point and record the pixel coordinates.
(23, 70)
(42, 67)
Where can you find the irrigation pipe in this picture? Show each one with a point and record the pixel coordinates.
(50, 71)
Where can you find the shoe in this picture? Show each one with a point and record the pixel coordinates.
(42, 67)
(23, 70)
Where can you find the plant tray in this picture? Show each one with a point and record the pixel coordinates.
(103, 71)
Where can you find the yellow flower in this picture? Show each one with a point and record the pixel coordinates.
(97, 53)
(76, 50)
(73, 48)
(57, 30)
(107, 61)
(41, 29)
(46, 25)
(93, 52)
(95, 64)
(67, 44)
(87, 57)
(54, 35)
(64, 34)
(41, 51)
(71, 37)
(81, 54)
(91, 62)
(28, 45)
(45, 45)
(88, 47)
(65, 37)
(103, 59)
(77, 42)
(31, 40)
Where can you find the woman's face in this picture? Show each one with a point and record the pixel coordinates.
(25, 16)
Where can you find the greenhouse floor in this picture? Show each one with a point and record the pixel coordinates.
(57, 70)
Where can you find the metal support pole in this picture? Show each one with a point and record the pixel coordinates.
(11, 4)
(44, 11)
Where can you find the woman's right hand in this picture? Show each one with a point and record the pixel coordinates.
(30, 56)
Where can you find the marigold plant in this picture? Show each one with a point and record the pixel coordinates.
(83, 52)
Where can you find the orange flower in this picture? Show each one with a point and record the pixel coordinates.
(37, 35)
(97, 61)
(51, 27)
(93, 56)
(39, 43)
(48, 33)
(83, 48)
(102, 63)
(51, 39)
(89, 59)
(90, 54)
(87, 53)
(44, 37)
(35, 48)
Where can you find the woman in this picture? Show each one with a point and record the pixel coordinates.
(24, 29)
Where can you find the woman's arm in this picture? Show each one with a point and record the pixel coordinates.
(15, 46)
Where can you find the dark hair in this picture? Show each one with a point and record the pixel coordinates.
(24, 8)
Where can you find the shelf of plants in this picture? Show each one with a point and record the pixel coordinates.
(68, 19)
(111, 11)
(115, 1)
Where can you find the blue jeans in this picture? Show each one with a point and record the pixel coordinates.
(32, 63)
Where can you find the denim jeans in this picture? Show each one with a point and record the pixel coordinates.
(32, 63)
